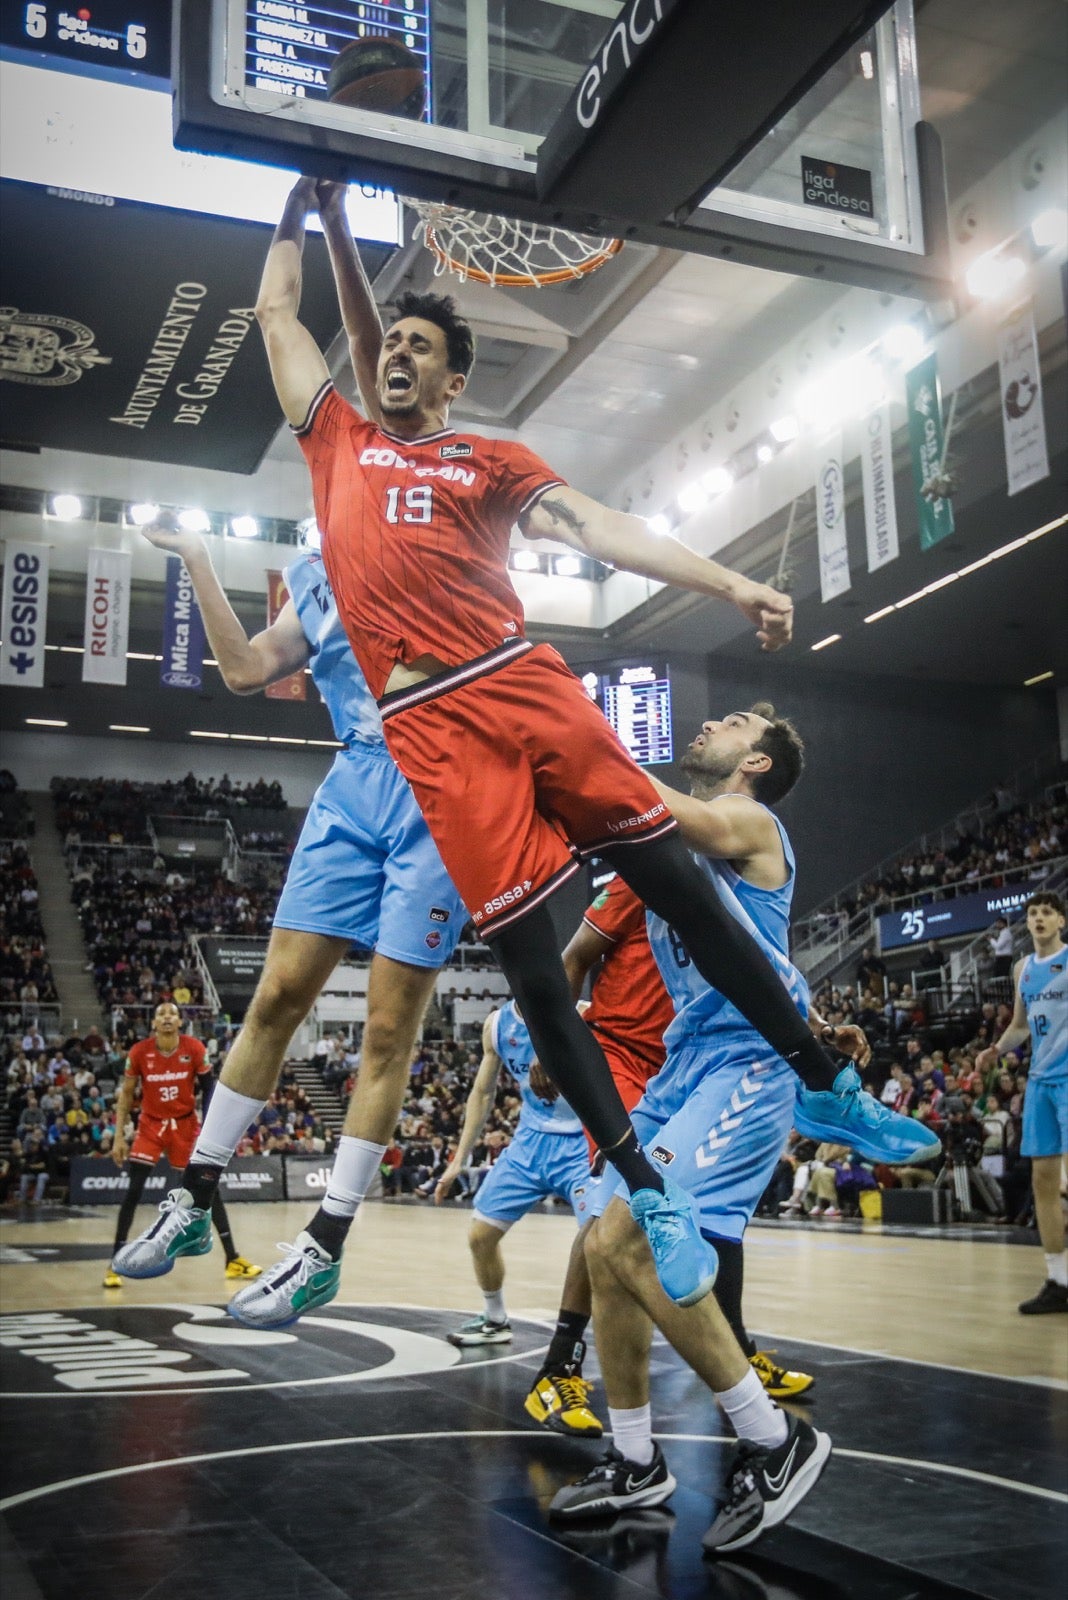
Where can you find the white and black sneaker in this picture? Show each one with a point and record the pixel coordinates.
(481, 1330)
(613, 1485)
(765, 1485)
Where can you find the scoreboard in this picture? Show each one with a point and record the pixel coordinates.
(289, 48)
(636, 699)
(126, 35)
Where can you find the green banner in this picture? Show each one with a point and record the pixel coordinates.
(923, 400)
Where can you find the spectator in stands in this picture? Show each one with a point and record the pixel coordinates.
(1000, 938)
(34, 1169)
(11, 1172)
(931, 967)
(871, 972)
(32, 1117)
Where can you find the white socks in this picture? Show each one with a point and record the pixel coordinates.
(632, 1433)
(355, 1164)
(495, 1311)
(752, 1414)
(1057, 1268)
(228, 1115)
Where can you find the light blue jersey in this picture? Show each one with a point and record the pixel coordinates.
(700, 1010)
(1044, 992)
(333, 666)
(365, 868)
(512, 1043)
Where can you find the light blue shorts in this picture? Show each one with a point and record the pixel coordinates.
(535, 1166)
(366, 869)
(1045, 1118)
(716, 1118)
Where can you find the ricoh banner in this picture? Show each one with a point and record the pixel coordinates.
(24, 613)
(830, 519)
(183, 631)
(107, 617)
(96, 1181)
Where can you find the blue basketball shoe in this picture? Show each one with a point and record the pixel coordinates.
(685, 1263)
(848, 1115)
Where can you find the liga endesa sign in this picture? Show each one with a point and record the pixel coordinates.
(97, 1181)
(138, 337)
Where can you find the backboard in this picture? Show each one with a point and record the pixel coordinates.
(783, 135)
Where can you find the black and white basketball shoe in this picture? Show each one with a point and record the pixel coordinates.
(764, 1486)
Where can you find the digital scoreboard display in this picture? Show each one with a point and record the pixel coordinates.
(127, 35)
(289, 48)
(636, 699)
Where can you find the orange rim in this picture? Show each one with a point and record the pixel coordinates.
(519, 280)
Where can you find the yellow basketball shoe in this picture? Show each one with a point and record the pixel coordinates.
(112, 1280)
(560, 1402)
(779, 1383)
(240, 1268)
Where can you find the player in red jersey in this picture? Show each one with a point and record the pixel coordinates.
(167, 1068)
(517, 773)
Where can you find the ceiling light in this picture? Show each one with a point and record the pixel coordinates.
(327, 744)
(44, 722)
(567, 566)
(993, 275)
(282, 738)
(903, 343)
(127, 727)
(310, 534)
(783, 429)
(694, 497)
(659, 524)
(821, 644)
(719, 480)
(66, 508)
(141, 655)
(142, 513)
(250, 738)
(526, 560)
(764, 453)
(1040, 677)
(206, 733)
(244, 527)
(1050, 229)
(193, 520)
(877, 616)
(867, 65)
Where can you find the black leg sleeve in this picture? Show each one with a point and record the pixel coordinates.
(664, 874)
(137, 1172)
(222, 1226)
(728, 1289)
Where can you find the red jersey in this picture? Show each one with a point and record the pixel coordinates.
(629, 1001)
(416, 535)
(167, 1081)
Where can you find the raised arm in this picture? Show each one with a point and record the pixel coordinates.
(297, 365)
(625, 541)
(363, 325)
(247, 665)
(479, 1103)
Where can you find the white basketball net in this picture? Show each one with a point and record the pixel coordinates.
(499, 250)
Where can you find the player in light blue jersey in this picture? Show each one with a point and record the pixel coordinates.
(1041, 1011)
(548, 1156)
(365, 871)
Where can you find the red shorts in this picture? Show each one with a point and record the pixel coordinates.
(173, 1137)
(630, 1074)
(519, 777)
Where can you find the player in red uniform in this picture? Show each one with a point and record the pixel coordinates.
(517, 773)
(167, 1068)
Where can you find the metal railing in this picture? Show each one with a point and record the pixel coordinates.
(211, 994)
(22, 1015)
(967, 962)
(194, 1018)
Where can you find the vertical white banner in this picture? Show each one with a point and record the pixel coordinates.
(1026, 457)
(830, 519)
(107, 617)
(24, 614)
(880, 507)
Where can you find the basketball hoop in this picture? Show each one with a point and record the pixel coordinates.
(505, 253)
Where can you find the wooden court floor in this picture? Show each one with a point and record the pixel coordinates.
(157, 1451)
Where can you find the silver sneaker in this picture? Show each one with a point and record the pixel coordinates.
(305, 1277)
(480, 1330)
(179, 1230)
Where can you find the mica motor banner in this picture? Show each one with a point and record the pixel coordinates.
(295, 687)
(830, 519)
(24, 614)
(1022, 416)
(183, 631)
(880, 506)
(107, 616)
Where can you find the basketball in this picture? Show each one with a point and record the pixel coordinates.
(378, 75)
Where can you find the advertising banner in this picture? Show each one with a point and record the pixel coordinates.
(24, 613)
(830, 519)
(183, 631)
(97, 1181)
(945, 919)
(307, 1176)
(880, 507)
(107, 616)
(923, 401)
(295, 687)
(1026, 456)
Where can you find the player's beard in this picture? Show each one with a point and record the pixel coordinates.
(708, 766)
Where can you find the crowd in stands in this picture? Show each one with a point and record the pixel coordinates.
(25, 974)
(60, 1099)
(1011, 838)
(115, 811)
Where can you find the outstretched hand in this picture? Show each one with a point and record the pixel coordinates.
(542, 1085)
(165, 534)
(771, 612)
